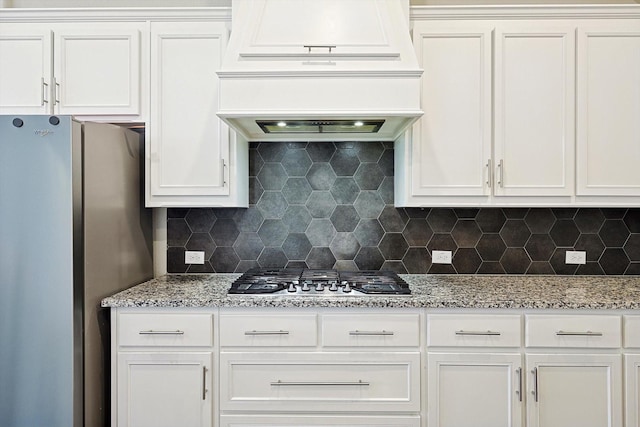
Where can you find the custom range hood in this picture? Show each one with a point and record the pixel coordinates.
(319, 70)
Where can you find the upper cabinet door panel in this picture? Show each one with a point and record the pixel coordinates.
(97, 68)
(452, 141)
(25, 69)
(608, 102)
(534, 109)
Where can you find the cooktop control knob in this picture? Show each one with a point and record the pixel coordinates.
(292, 287)
(319, 287)
(346, 287)
(305, 286)
(333, 287)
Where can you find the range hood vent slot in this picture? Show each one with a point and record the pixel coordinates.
(320, 66)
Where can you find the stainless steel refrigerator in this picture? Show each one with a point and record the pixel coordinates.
(73, 229)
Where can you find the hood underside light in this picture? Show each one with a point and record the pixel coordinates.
(319, 126)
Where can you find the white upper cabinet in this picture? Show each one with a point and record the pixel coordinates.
(608, 108)
(88, 69)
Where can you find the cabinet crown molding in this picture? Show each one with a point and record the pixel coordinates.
(120, 14)
(572, 11)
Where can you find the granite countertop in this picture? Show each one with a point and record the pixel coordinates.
(428, 291)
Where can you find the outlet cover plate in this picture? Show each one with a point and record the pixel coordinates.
(576, 257)
(194, 257)
(441, 257)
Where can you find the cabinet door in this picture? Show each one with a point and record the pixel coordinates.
(188, 145)
(475, 390)
(97, 68)
(575, 390)
(451, 147)
(608, 102)
(164, 390)
(534, 109)
(25, 69)
(632, 390)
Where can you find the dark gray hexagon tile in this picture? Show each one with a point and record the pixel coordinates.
(177, 212)
(321, 151)
(255, 191)
(490, 220)
(249, 219)
(633, 269)
(540, 220)
(321, 258)
(296, 162)
(255, 162)
(632, 247)
(491, 247)
(344, 246)
(345, 218)
(395, 266)
(614, 213)
(466, 261)
(417, 232)
(369, 258)
(200, 220)
(589, 220)
(296, 246)
(272, 258)
(392, 219)
(272, 151)
(345, 190)
(466, 213)
(201, 268)
(225, 212)
(490, 267)
(420, 213)
(540, 267)
(272, 176)
(224, 232)
(442, 242)
(369, 204)
(224, 260)
(321, 204)
(564, 233)
(515, 233)
(175, 260)
(297, 264)
(515, 213)
(245, 265)
(592, 244)
(369, 151)
(442, 269)
(632, 220)
(297, 190)
(273, 232)
(614, 261)
(417, 260)
(272, 205)
(387, 190)
(515, 261)
(614, 233)
(321, 176)
(386, 162)
(369, 232)
(564, 213)
(442, 220)
(248, 246)
(201, 242)
(345, 265)
(590, 269)
(369, 176)
(558, 262)
(345, 162)
(540, 247)
(466, 233)
(297, 218)
(178, 232)
(393, 246)
(320, 232)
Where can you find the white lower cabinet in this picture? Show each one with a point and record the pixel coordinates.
(157, 389)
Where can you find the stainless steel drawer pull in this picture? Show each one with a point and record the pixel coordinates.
(280, 332)
(204, 383)
(478, 333)
(534, 371)
(320, 383)
(45, 89)
(152, 332)
(319, 46)
(370, 333)
(519, 391)
(579, 334)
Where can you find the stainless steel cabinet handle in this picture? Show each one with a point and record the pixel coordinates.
(280, 332)
(319, 383)
(489, 170)
(579, 334)
(370, 333)
(500, 173)
(43, 95)
(319, 46)
(534, 371)
(519, 390)
(480, 333)
(152, 332)
(204, 382)
(223, 167)
(57, 91)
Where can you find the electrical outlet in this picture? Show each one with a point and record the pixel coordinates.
(576, 257)
(441, 257)
(194, 257)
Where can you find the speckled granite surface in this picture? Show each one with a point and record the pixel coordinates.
(429, 291)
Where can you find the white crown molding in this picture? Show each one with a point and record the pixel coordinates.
(121, 14)
(572, 11)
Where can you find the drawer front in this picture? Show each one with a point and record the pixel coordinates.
(376, 330)
(580, 331)
(268, 330)
(318, 420)
(632, 331)
(320, 382)
(471, 330)
(165, 330)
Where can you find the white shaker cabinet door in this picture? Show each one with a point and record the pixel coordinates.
(97, 68)
(25, 69)
(534, 109)
(608, 109)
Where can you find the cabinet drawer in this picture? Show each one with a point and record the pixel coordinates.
(376, 330)
(165, 330)
(470, 330)
(320, 382)
(263, 420)
(268, 330)
(584, 331)
(632, 331)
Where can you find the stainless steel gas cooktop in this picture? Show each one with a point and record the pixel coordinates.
(309, 282)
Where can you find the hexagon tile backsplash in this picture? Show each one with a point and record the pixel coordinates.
(330, 205)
